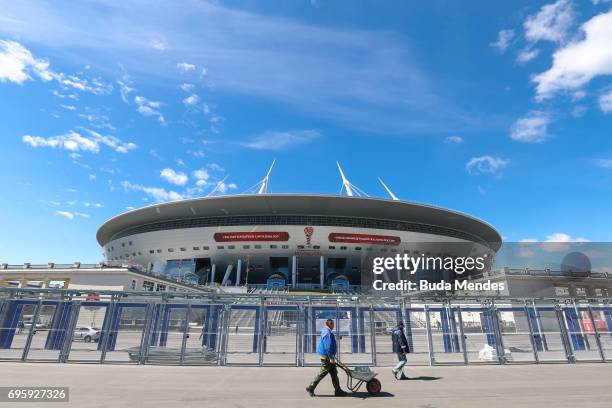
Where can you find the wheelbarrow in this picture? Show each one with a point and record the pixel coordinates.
(361, 375)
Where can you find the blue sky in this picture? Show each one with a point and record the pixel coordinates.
(502, 110)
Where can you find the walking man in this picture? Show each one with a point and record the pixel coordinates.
(327, 350)
(400, 347)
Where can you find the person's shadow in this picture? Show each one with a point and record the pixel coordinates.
(420, 378)
(362, 395)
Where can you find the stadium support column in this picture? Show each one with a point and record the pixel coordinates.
(322, 271)
(212, 273)
(238, 271)
(228, 271)
(293, 271)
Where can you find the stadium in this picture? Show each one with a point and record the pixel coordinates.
(289, 241)
(250, 280)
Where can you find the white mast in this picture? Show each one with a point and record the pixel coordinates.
(393, 196)
(263, 188)
(345, 182)
(217, 187)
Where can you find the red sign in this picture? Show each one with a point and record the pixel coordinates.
(364, 239)
(93, 297)
(251, 236)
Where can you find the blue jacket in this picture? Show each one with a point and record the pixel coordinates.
(400, 343)
(327, 343)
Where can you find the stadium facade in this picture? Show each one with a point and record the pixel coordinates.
(288, 240)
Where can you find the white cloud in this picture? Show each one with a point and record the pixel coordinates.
(604, 163)
(563, 237)
(125, 90)
(158, 45)
(160, 195)
(72, 141)
(575, 64)
(185, 67)
(92, 176)
(528, 240)
(215, 167)
(75, 142)
(68, 107)
(174, 177)
(51, 202)
(504, 39)
(71, 215)
(551, 23)
(605, 100)
(191, 100)
(149, 108)
(199, 154)
(485, 165)
(274, 140)
(454, 140)
(187, 87)
(531, 129)
(202, 177)
(66, 214)
(526, 55)
(578, 111)
(17, 64)
(94, 205)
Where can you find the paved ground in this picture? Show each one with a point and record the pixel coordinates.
(93, 385)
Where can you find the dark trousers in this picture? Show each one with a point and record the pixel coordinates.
(326, 367)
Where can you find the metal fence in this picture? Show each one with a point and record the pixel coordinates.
(279, 329)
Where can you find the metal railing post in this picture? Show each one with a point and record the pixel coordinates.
(430, 351)
(262, 330)
(69, 336)
(462, 334)
(299, 327)
(497, 334)
(110, 309)
(373, 337)
(145, 335)
(185, 333)
(532, 335)
(596, 332)
(564, 336)
(28, 343)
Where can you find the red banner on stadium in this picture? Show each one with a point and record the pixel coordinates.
(364, 239)
(251, 236)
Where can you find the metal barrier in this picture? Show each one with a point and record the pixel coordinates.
(280, 329)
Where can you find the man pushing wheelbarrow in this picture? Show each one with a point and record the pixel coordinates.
(354, 378)
(327, 350)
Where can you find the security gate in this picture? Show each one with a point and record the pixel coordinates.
(379, 322)
(242, 335)
(602, 319)
(123, 332)
(444, 337)
(515, 331)
(281, 337)
(86, 328)
(278, 329)
(550, 338)
(582, 331)
(353, 330)
(417, 335)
